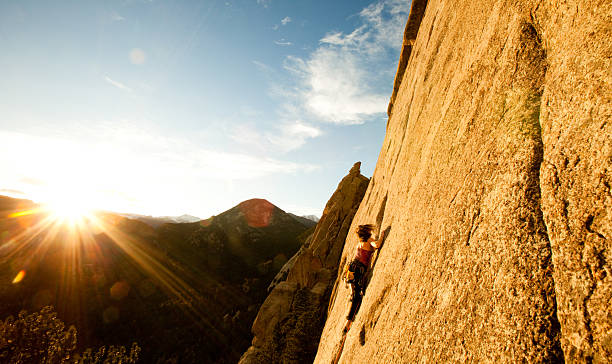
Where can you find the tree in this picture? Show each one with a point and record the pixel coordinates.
(41, 337)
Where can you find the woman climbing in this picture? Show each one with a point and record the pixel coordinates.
(359, 266)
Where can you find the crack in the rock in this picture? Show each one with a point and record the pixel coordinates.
(555, 323)
(530, 34)
(585, 312)
(473, 226)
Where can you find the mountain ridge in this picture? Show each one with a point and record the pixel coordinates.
(253, 203)
(182, 291)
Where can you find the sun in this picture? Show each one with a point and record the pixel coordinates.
(68, 211)
(69, 208)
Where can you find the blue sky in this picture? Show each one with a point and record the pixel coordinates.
(169, 107)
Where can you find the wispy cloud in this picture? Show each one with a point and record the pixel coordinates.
(264, 3)
(293, 135)
(124, 147)
(117, 84)
(284, 21)
(32, 181)
(114, 16)
(262, 66)
(335, 87)
(355, 38)
(339, 81)
(248, 135)
(11, 192)
(283, 138)
(282, 42)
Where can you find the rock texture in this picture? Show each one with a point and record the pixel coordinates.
(289, 322)
(494, 184)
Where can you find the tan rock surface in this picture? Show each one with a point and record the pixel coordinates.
(327, 242)
(289, 322)
(494, 179)
(276, 305)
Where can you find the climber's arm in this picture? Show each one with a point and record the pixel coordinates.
(377, 243)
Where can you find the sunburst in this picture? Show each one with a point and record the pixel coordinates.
(70, 210)
(69, 219)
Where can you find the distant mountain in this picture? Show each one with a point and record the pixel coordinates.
(306, 220)
(186, 292)
(157, 221)
(10, 205)
(187, 218)
(312, 217)
(255, 234)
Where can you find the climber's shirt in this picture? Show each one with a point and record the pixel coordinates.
(364, 256)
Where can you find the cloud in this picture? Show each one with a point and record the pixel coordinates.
(387, 20)
(264, 3)
(12, 192)
(293, 135)
(262, 66)
(282, 42)
(133, 154)
(284, 21)
(32, 181)
(149, 167)
(117, 84)
(355, 38)
(335, 87)
(341, 81)
(283, 138)
(114, 16)
(247, 134)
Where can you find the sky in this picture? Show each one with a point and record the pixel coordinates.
(166, 107)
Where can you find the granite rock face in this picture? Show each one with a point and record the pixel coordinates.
(289, 322)
(493, 183)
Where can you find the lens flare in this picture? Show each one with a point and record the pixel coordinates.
(119, 290)
(24, 213)
(19, 277)
(82, 243)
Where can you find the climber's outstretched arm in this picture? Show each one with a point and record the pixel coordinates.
(377, 243)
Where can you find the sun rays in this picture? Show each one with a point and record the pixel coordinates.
(71, 212)
(81, 242)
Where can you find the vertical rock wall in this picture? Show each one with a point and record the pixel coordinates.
(494, 182)
(576, 172)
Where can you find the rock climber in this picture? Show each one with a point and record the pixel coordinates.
(359, 266)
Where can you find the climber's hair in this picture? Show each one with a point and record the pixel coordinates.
(364, 232)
